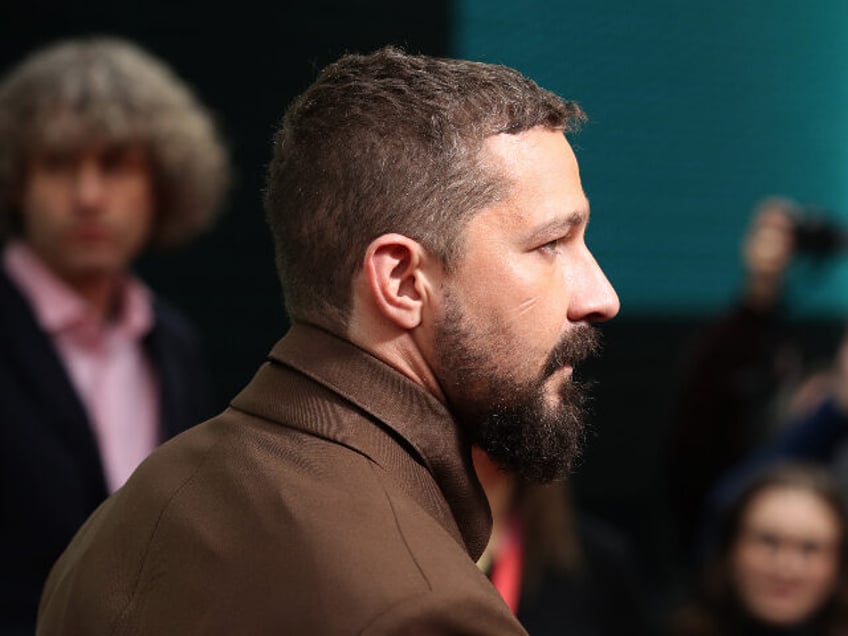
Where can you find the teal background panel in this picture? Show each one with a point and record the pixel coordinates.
(696, 111)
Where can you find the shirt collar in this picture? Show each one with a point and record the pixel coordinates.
(59, 308)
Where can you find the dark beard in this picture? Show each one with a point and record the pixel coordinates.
(510, 419)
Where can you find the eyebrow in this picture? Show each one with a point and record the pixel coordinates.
(558, 226)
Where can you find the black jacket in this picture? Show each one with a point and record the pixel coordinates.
(51, 476)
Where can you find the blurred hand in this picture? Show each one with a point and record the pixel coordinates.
(767, 251)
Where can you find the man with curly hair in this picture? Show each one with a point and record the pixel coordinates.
(429, 225)
(103, 151)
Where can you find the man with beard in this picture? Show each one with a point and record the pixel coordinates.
(429, 224)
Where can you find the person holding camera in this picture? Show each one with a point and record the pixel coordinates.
(747, 377)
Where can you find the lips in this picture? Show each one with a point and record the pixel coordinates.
(781, 589)
(90, 233)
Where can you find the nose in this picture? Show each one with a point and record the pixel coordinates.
(789, 561)
(594, 298)
(89, 184)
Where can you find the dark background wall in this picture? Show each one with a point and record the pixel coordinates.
(648, 166)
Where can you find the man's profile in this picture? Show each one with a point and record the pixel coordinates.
(429, 224)
(103, 151)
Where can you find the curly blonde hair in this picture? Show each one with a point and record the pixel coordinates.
(82, 92)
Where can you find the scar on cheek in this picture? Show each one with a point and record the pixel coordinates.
(527, 305)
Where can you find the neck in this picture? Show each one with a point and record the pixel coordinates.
(401, 353)
(101, 293)
(399, 348)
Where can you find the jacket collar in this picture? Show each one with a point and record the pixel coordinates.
(413, 416)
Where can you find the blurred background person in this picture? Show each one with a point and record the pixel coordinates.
(103, 152)
(818, 428)
(749, 375)
(559, 571)
(815, 431)
(779, 566)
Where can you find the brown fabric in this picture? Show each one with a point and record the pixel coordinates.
(334, 496)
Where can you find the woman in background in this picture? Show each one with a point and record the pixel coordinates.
(780, 563)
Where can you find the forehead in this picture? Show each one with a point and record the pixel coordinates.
(541, 174)
(793, 511)
(512, 150)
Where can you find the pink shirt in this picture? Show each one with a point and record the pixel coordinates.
(105, 361)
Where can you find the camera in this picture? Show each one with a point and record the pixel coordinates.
(816, 234)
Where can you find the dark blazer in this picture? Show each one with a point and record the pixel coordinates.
(334, 496)
(51, 477)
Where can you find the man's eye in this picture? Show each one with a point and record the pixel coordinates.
(550, 246)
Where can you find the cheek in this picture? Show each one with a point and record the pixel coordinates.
(42, 200)
(537, 306)
(41, 219)
(822, 574)
(143, 224)
(134, 208)
(519, 304)
(749, 568)
(817, 584)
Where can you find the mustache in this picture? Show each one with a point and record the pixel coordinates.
(574, 347)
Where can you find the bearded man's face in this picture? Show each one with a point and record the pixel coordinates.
(516, 311)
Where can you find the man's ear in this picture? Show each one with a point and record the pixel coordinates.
(395, 268)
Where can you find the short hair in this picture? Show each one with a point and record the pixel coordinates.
(81, 92)
(389, 142)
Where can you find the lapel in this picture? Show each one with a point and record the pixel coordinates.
(34, 361)
(172, 417)
(184, 394)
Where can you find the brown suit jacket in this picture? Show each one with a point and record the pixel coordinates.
(334, 496)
